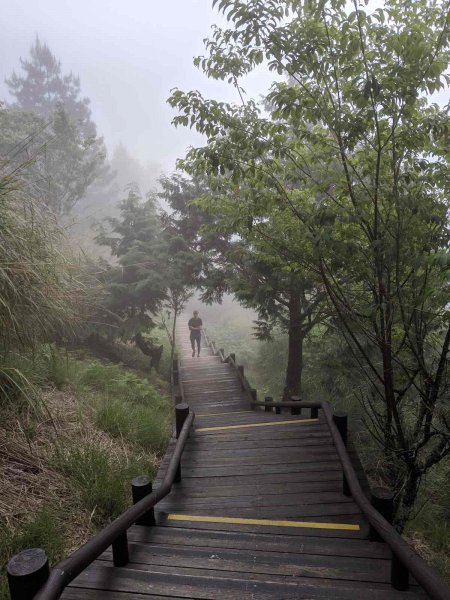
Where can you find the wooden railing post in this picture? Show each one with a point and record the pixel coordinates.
(254, 395)
(241, 372)
(120, 550)
(382, 499)
(295, 411)
(399, 574)
(140, 487)
(268, 408)
(181, 414)
(27, 573)
(314, 413)
(233, 356)
(340, 420)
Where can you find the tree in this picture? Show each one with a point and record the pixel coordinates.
(50, 124)
(353, 126)
(43, 88)
(153, 271)
(237, 259)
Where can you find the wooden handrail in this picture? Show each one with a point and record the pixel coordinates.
(69, 568)
(403, 555)
(421, 571)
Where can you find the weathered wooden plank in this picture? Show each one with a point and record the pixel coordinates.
(261, 562)
(207, 583)
(258, 541)
(257, 500)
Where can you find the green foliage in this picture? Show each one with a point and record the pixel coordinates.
(36, 289)
(45, 529)
(101, 479)
(52, 124)
(126, 406)
(351, 156)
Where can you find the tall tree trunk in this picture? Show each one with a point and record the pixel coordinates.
(173, 344)
(293, 382)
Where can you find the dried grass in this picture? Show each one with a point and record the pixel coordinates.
(28, 478)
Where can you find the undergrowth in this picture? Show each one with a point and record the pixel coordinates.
(96, 425)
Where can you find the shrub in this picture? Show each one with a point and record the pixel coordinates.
(101, 478)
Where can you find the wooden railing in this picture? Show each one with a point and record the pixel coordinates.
(378, 511)
(29, 574)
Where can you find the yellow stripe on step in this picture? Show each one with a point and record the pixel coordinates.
(248, 425)
(268, 522)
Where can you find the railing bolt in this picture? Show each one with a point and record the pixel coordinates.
(268, 408)
(295, 411)
(27, 573)
(140, 488)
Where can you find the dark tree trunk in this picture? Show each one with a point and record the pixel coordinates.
(293, 383)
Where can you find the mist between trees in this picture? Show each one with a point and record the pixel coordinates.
(322, 209)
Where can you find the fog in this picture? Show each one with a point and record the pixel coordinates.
(128, 56)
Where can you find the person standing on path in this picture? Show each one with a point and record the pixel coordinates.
(195, 327)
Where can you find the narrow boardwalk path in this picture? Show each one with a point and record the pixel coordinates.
(259, 513)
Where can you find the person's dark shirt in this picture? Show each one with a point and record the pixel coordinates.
(195, 322)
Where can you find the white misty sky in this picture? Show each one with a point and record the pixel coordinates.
(128, 54)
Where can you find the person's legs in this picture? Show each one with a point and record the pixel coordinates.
(193, 344)
(199, 338)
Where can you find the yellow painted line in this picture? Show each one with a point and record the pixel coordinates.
(249, 425)
(232, 412)
(269, 522)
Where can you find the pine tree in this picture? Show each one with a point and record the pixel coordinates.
(44, 87)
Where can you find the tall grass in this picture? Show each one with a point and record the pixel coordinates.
(126, 406)
(100, 478)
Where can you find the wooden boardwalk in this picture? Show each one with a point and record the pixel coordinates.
(259, 513)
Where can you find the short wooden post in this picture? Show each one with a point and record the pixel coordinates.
(120, 550)
(140, 488)
(27, 573)
(340, 420)
(181, 414)
(295, 411)
(278, 410)
(345, 487)
(268, 408)
(399, 574)
(314, 413)
(254, 395)
(382, 499)
(233, 356)
(241, 372)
